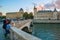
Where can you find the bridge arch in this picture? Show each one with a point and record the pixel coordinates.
(25, 29)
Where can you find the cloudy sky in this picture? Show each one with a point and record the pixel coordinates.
(27, 5)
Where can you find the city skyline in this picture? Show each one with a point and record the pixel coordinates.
(27, 5)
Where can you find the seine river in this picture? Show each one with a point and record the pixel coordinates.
(47, 31)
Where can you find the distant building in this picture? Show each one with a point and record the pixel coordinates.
(46, 14)
(15, 14)
(0, 14)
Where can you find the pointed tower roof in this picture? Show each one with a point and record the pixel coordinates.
(55, 10)
(21, 9)
(35, 7)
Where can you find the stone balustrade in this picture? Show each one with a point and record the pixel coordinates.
(17, 34)
(19, 24)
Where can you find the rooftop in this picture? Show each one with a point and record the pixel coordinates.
(42, 11)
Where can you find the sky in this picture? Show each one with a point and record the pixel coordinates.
(27, 5)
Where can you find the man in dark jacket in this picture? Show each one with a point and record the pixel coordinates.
(5, 22)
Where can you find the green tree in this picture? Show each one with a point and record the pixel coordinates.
(30, 16)
(25, 15)
(3, 17)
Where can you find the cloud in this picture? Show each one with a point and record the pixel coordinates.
(50, 5)
(40, 7)
(57, 3)
(53, 4)
(46, 6)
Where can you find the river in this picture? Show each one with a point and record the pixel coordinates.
(47, 31)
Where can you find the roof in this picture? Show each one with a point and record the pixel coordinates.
(0, 13)
(55, 10)
(11, 12)
(43, 11)
(21, 9)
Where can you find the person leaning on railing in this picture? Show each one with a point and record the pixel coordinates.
(8, 26)
(13, 23)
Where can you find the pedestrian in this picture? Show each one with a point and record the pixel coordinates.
(4, 24)
(5, 21)
(12, 23)
(8, 26)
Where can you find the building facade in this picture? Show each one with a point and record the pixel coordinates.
(46, 14)
(13, 15)
(0, 14)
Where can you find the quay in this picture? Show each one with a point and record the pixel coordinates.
(45, 21)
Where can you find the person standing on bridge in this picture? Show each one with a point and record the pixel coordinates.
(12, 23)
(8, 26)
(5, 21)
(4, 24)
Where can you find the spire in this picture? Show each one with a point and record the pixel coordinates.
(55, 9)
(34, 5)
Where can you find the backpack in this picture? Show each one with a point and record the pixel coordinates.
(4, 26)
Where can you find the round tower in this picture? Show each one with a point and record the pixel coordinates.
(35, 12)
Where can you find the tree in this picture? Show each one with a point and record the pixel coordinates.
(3, 17)
(30, 16)
(25, 15)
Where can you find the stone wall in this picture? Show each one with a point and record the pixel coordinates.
(17, 34)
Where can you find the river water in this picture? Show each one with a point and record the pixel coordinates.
(47, 31)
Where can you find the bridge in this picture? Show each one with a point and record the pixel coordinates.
(24, 25)
(17, 34)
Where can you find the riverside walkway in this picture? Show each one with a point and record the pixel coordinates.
(45, 21)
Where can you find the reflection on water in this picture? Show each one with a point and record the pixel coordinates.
(47, 31)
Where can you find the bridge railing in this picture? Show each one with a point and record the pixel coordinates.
(17, 34)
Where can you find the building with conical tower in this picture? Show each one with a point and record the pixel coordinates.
(13, 15)
(55, 14)
(35, 12)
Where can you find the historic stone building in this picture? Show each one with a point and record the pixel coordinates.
(15, 14)
(0, 14)
(46, 14)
